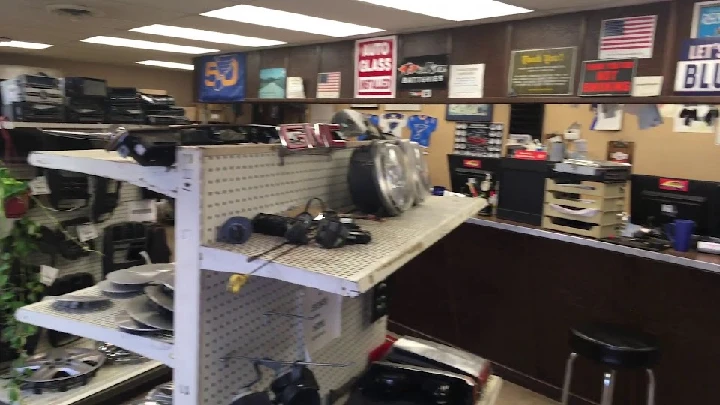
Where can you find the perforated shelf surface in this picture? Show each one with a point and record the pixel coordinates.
(353, 269)
(110, 377)
(99, 162)
(97, 325)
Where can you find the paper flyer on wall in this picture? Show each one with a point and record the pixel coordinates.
(608, 117)
(322, 319)
(295, 87)
(466, 81)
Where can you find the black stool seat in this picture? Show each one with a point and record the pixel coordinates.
(615, 346)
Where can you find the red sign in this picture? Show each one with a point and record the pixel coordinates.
(674, 185)
(375, 72)
(607, 77)
(530, 155)
(472, 163)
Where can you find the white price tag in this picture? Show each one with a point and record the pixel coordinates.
(87, 232)
(39, 186)
(323, 319)
(143, 211)
(48, 274)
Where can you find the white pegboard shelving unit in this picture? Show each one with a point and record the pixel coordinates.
(214, 183)
(64, 125)
(99, 162)
(97, 325)
(354, 269)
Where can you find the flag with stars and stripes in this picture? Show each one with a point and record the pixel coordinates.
(328, 85)
(629, 37)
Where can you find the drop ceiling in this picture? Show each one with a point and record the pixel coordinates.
(30, 21)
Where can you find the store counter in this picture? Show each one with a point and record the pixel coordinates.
(701, 261)
(511, 292)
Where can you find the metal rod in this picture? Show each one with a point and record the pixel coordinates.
(568, 378)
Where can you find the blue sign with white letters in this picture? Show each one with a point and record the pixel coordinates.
(698, 71)
(221, 78)
(706, 20)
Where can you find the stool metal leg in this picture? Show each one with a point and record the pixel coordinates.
(568, 378)
(608, 388)
(651, 387)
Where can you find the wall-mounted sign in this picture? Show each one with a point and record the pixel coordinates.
(469, 112)
(375, 67)
(706, 20)
(222, 78)
(698, 69)
(466, 81)
(607, 77)
(542, 72)
(423, 72)
(629, 37)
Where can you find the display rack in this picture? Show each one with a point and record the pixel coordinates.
(97, 325)
(215, 183)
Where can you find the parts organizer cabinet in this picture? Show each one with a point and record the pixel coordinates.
(212, 184)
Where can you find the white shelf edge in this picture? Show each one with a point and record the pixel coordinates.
(144, 346)
(98, 162)
(218, 259)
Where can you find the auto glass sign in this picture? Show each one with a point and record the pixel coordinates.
(698, 71)
(375, 73)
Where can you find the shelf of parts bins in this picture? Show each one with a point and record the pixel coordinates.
(63, 125)
(97, 325)
(352, 269)
(99, 162)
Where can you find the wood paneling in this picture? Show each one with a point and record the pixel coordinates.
(547, 32)
(253, 75)
(304, 62)
(338, 57)
(483, 44)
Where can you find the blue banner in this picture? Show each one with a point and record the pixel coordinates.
(222, 78)
(698, 70)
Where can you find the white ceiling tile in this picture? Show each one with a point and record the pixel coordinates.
(232, 27)
(182, 6)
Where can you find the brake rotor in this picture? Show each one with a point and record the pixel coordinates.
(60, 369)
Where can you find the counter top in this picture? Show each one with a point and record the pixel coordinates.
(700, 261)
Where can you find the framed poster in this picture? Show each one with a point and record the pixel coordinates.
(469, 112)
(542, 72)
(273, 83)
(222, 79)
(375, 67)
(423, 72)
(706, 20)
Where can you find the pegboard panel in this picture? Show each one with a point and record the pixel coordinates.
(92, 263)
(245, 184)
(239, 323)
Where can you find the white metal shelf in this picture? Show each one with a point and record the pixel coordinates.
(99, 162)
(109, 377)
(354, 269)
(97, 325)
(64, 125)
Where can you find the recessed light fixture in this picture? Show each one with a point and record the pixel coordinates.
(153, 46)
(24, 45)
(206, 36)
(169, 65)
(268, 17)
(454, 10)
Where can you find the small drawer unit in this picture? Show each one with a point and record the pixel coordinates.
(585, 208)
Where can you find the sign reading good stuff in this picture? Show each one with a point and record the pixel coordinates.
(375, 72)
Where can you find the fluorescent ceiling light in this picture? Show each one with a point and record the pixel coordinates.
(25, 45)
(268, 17)
(206, 36)
(454, 10)
(154, 46)
(169, 65)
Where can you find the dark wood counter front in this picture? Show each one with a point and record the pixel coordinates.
(511, 296)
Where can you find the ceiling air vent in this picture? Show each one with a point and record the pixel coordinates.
(73, 11)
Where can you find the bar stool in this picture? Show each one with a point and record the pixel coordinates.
(617, 348)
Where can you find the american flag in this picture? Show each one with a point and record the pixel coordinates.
(328, 85)
(630, 37)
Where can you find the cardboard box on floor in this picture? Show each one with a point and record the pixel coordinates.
(215, 113)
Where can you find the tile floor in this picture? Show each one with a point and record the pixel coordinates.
(512, 394)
